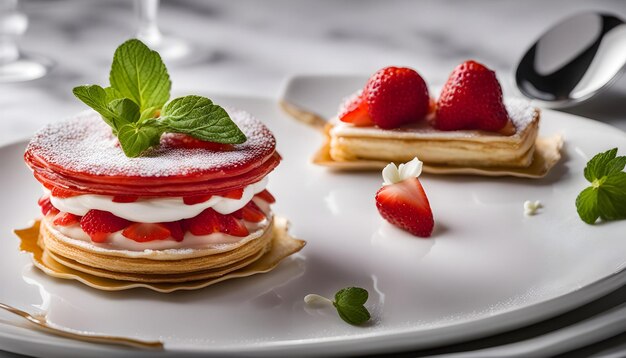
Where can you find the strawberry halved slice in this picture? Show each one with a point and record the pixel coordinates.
(355, 111)
(99, 224)
(196, 199)
(266, 196)
(125, 198)
(143, 232)
(231, 226)
(252, 213)
(406, 206)
(204, 223)
(66, 219)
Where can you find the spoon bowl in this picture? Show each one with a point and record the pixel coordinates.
(574, 60)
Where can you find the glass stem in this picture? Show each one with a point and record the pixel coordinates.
(12, 25)
(148, 30)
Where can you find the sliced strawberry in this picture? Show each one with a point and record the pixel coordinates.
(396, 96)
(252, 213)
(46, 206)
(204, 223)
(472, 99)
(176, 230)
(406, 206)
(354, 111)
(143, 232)
(233, 194)
(266, 196)
(66, 219)
(62, 193)
(180, 140)
(125, 198)
(196, 199)
(231, 226)
(98, 224)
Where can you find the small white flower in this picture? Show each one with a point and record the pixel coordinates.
(393, 174)
(531, 207)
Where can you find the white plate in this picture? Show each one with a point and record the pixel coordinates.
(486, 269)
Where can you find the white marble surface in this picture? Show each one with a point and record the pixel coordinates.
(252, 47)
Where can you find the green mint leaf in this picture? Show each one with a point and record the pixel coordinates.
(606, 197)
(349, 303)
(597, 167)
(125, 110)
(587, 205)
(95, 97)
(112, 94)
(136, 138)
(139, 73)
(198, 117)
(612, 197)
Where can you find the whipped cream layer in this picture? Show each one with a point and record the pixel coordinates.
(116, 241)
(155, 210)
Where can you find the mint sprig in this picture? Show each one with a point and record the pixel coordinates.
(135, 105)
(606, 197)
(349, 303)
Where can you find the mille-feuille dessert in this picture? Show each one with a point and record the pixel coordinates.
(469, 129)
(149, 191)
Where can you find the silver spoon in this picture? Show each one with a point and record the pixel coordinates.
(574, 60)
(41, 323)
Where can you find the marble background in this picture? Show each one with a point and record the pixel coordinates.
(248, 47)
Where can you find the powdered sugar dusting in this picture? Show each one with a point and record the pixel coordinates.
(85, 144)
(520, 112)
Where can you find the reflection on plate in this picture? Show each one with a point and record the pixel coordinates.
(487, 268)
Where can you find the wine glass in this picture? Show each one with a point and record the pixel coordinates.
(170, 48)
(16, 66)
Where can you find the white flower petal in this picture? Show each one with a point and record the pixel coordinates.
(391, 174)
(412, 169)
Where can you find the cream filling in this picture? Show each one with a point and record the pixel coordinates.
(117, 241)
(155, 210)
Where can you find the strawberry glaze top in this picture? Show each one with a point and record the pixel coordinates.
(81, 154)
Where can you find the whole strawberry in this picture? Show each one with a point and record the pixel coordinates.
(472, 99)
(402, 200)
(396, 96)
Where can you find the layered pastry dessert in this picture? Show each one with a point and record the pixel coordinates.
(458, 148)
(469, 128)
(152, 191)
(176, 214)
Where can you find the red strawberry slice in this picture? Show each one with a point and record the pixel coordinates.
(66, 219)
(196, 199)
(143, 232)
(231, 226)
(396, 96)
(98, 224)
(472, 99)
(233, 194)
(180, 140)
(266, 196)
(406, 206)
(354, 110)
(176, 230)
(252, 213)
(46, 206)
(62, 193)
(125, 198)
(204, 223)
